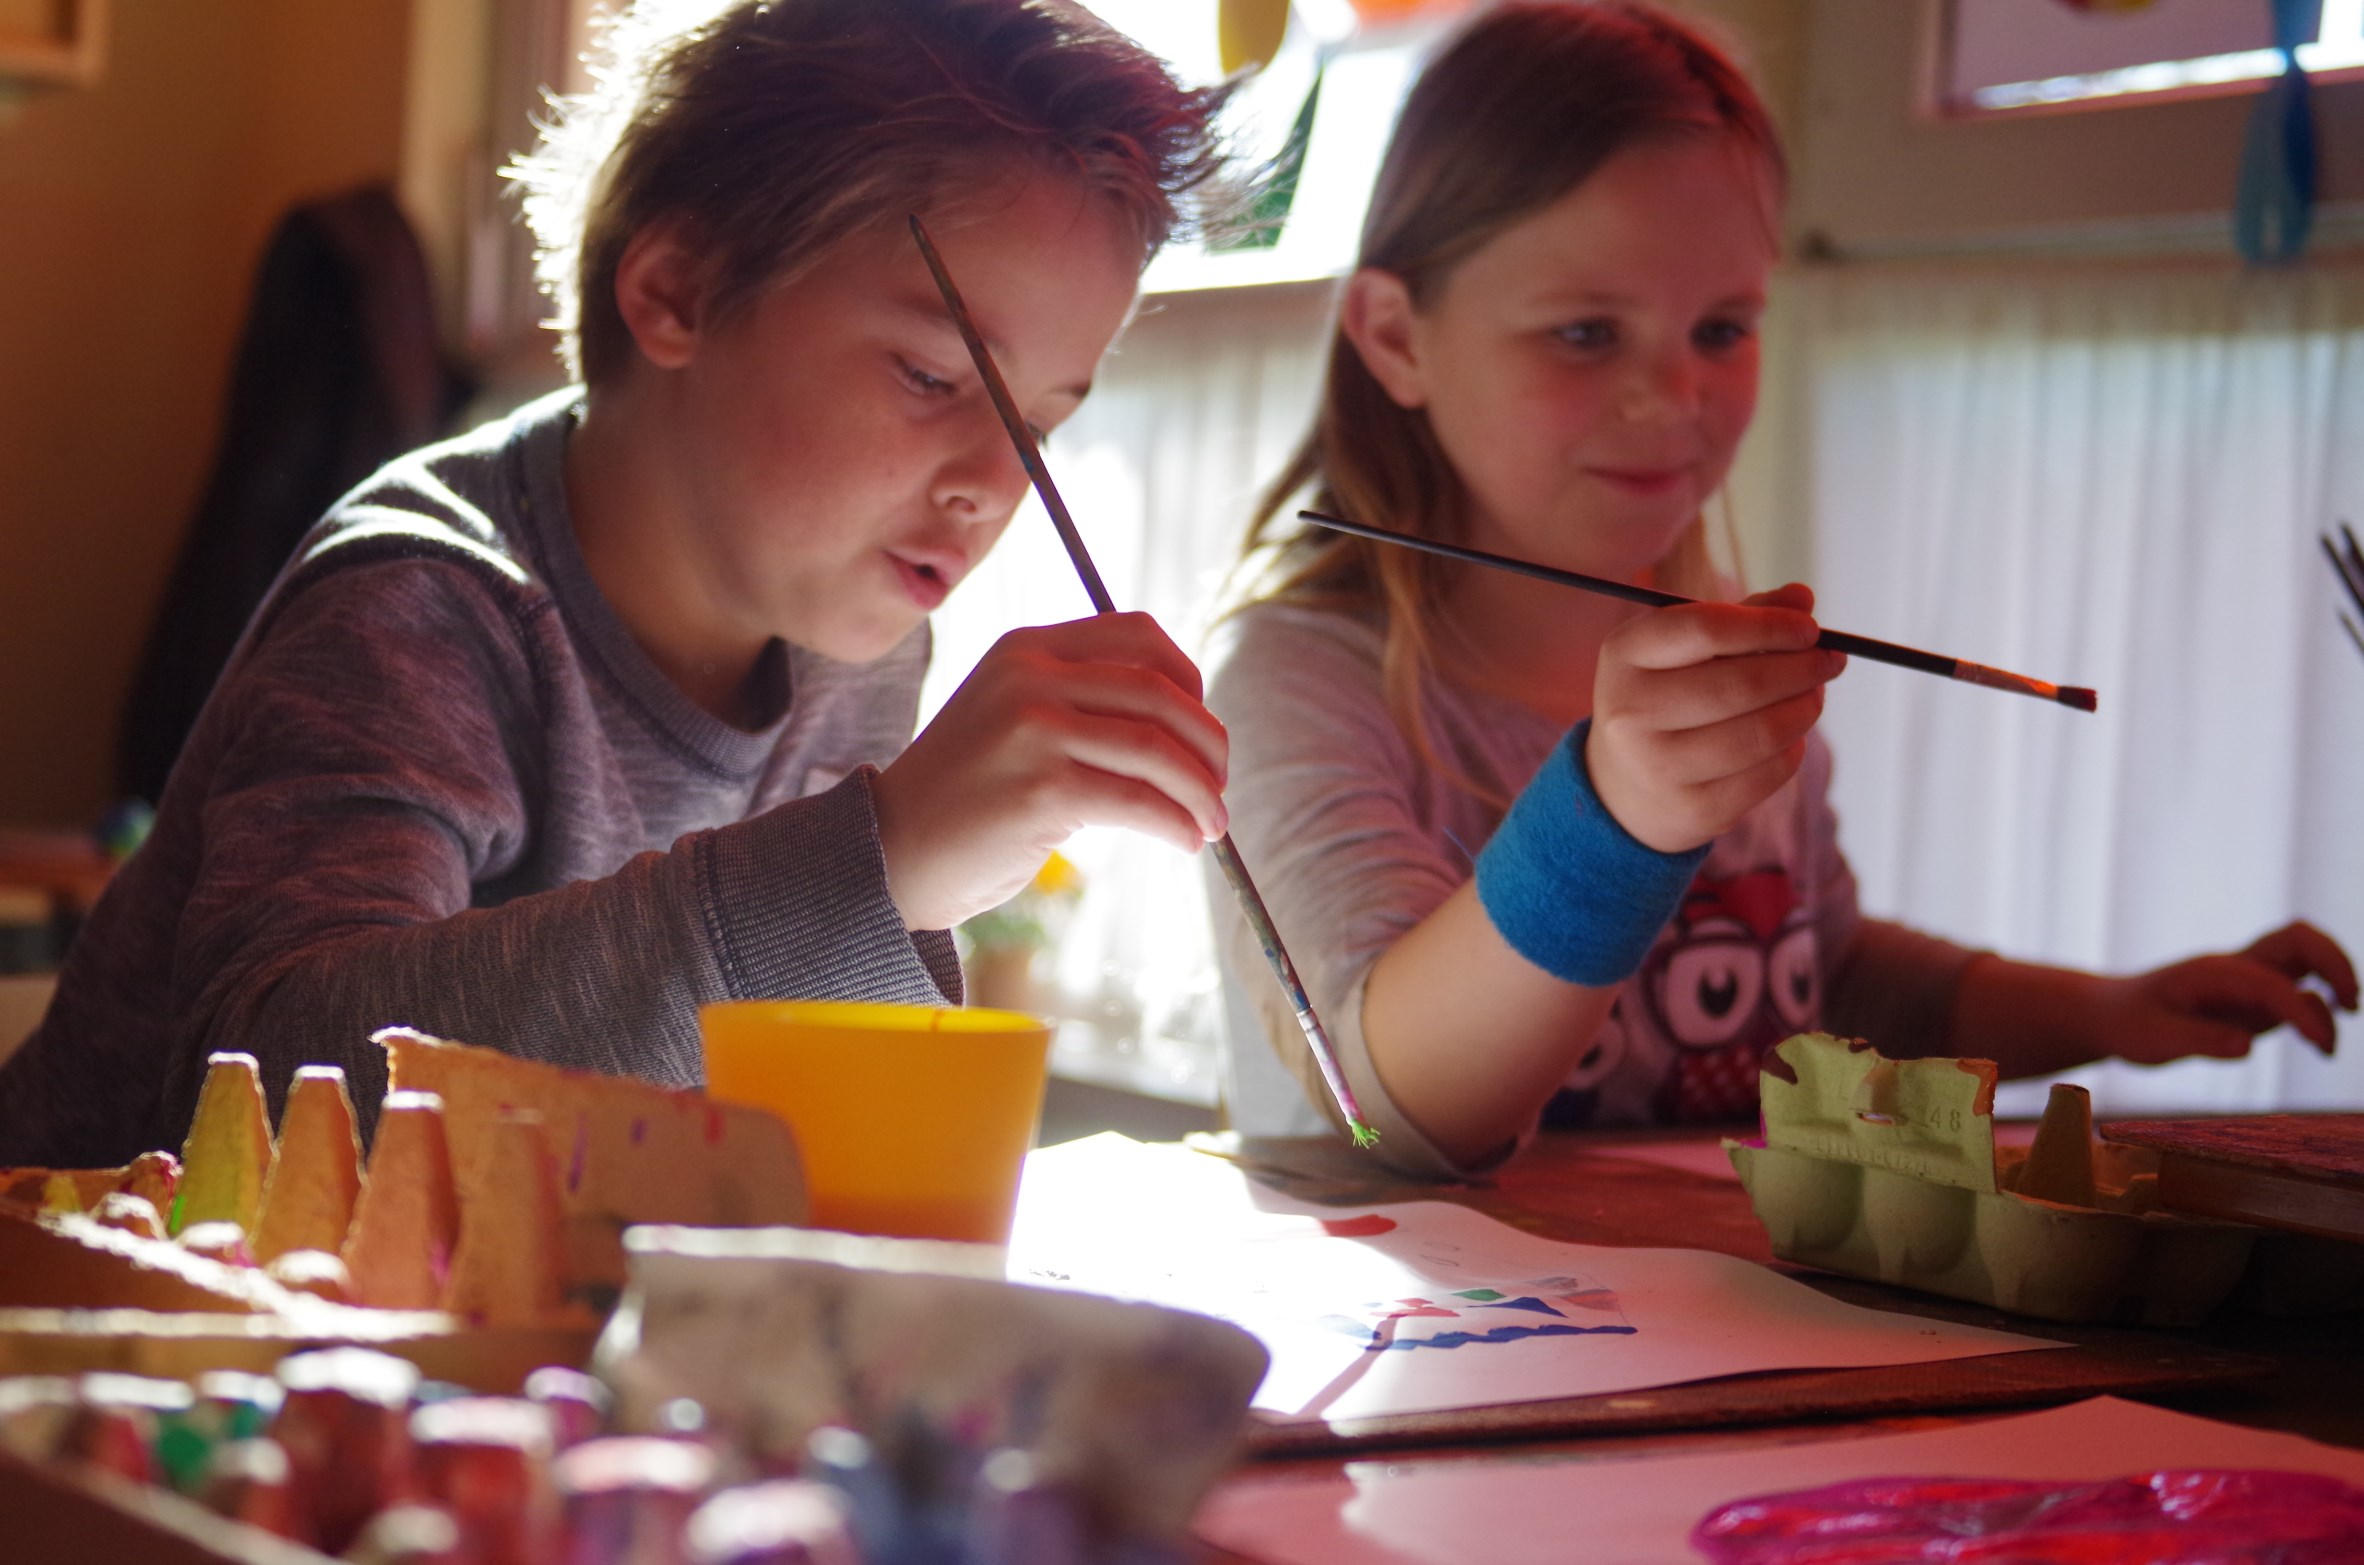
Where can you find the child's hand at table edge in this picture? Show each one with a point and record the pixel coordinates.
(2218, 1004)
(1701, 711)
(1097, 722)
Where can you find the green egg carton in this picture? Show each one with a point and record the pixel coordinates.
(1888, 1169)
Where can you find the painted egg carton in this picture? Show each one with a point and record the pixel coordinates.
(1888, 1169)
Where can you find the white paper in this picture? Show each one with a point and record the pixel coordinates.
(1524, 1508)
(1424, 1306)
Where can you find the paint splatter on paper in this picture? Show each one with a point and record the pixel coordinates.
(1570, 1307)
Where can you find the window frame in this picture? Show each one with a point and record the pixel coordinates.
(1937, 101)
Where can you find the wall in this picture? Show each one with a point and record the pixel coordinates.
(135, 213)
(1770, 38)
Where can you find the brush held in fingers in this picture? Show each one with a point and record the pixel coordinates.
(2347, 563)
(2077, 696)
(1250, 901)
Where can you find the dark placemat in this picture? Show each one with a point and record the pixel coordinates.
(2307, 1146)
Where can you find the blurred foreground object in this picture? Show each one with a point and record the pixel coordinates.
(910, 1375)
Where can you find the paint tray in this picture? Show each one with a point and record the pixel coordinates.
(1888, 1169)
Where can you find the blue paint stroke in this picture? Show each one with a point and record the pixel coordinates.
(1535, 1305)
(1372, 1342)
(1346, 1325)
(1497, 1334)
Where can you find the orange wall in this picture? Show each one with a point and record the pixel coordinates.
(131, 218)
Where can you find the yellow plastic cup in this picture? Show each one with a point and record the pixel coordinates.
(913, 1120)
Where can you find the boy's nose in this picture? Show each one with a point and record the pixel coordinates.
(983, 478)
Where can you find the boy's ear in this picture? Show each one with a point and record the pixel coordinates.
(661, 294)
(1377, 316)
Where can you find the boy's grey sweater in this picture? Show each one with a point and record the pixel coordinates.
(440, 785)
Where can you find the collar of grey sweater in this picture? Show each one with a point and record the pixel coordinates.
(539, 474)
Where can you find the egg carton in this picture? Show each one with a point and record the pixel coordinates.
(1888, 1169)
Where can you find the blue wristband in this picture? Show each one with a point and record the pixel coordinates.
(1568, 887)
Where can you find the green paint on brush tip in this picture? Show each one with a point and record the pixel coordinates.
(1364, 1135)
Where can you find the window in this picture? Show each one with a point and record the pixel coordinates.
(2001, 56)
(1364, 70)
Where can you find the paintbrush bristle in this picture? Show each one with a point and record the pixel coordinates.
(2077, 696)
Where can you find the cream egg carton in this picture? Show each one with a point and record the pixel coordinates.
(1888, 1169)
(483, 1239)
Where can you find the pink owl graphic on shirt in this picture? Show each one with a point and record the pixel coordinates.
(1738, 971)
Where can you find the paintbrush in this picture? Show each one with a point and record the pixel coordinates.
(1251, 904)
(2348, 565)
(2076, 696)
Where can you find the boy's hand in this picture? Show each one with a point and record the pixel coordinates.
(2216, 1005)
(1093, 723)
(1701, 711)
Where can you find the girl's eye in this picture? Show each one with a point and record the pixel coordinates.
(1592, 334)
(1723, 336)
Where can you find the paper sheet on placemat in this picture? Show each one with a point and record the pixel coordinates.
(1425, 1306)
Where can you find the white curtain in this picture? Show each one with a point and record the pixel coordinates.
(1202, 402)
(2107, 474)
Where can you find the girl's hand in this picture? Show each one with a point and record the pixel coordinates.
(1092, 723)
(1700, 712)
(2216, 1005)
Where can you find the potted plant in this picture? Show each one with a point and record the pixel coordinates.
(998, 947)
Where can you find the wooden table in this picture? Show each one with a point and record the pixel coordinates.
(2304, 1377)
(49, 881)
(67, 867)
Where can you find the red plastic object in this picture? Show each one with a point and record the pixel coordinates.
(1392, 10)
(2204, 1517)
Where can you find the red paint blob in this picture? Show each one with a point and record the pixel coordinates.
(1369, 1226)
(2199, 1517)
